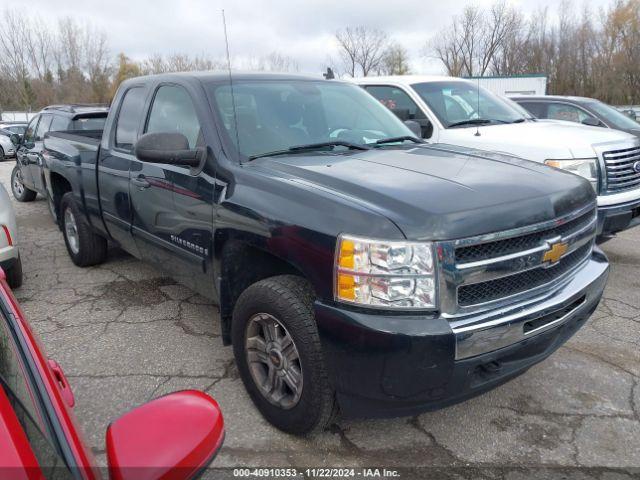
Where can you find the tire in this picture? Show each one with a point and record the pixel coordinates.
(14, 274)
(85, 247)
(288, 300)
(20, 192)
(2, 157)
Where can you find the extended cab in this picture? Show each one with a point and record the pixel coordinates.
(28, 177)
(354, 266)
(459, 112)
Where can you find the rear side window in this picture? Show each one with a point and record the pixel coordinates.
(537, 109)
(89, 123)
(43, 126)
(129, 118)
(173, 111)
(59, 124)
(396, 100)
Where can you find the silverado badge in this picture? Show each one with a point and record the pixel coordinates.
(555, 253)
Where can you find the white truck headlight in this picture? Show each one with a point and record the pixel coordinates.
(385, 274)
(585, 167)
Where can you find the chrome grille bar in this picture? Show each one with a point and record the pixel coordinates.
(622, 169)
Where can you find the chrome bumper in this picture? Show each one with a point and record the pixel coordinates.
(505, 326)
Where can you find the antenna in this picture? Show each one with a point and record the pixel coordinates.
(477, 134)
(233, 97)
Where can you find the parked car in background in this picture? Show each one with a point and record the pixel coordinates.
(174, 436)
(586, 111)
(455, 111)
(27, 179)
(9, 254)
(14, 127)
(353, 264)
(8, 144)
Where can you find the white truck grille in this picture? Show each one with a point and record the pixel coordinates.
(623, 169)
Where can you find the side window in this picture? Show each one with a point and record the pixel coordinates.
(396, 100)
(537, 109)
(173, 111)
(17, 386)
(563, 111)
(59, 123)
(43, 127)
(30, 133)
(129, 118)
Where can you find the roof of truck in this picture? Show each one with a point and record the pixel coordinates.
(571, 98)
(212, 76)
(407, 79)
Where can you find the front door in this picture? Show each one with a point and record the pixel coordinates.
(114, 165)
(34, 154)
(27, 143)
(173, 204)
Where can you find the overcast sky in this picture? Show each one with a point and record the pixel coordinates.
(302, 29)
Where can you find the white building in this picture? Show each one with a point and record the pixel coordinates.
(533, 84)
(17, 116)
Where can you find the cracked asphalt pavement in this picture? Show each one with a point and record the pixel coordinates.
(124, 333)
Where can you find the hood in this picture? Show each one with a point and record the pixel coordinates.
(540, 140)
(439, 192)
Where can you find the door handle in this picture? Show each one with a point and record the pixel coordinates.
(140, 182)
(61, 379)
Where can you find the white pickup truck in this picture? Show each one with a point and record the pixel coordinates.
(455, 111)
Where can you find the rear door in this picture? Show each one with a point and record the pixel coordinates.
(114, 165)
(173, 204)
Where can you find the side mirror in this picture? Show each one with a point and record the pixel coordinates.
(174, 436)
(402, 113)
(170, 148)
(592, 122)
(15, 138)
(415, 128)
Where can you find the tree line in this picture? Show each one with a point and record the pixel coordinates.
(591, 53)
(582, 51)
(70, 62)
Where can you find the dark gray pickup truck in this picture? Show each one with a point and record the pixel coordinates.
(356, 269)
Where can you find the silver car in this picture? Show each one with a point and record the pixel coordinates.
(9, 254)
(7, 147)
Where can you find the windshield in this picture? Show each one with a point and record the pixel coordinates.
(461, 103)
(614, 117)
(276, 115)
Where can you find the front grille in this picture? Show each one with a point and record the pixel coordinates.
(621, 174)
(483, 292)
(499, 248)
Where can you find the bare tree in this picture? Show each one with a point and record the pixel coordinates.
(395, 61)
(362, 49)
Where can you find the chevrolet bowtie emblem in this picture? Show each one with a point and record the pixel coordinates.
(555, 253)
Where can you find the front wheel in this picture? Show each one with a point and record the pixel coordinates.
(279, 356)
(20, 192)
(85, 247)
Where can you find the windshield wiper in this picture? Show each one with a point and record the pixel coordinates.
(402, 138)
(519, 120)
(473, 121)
(312, 146)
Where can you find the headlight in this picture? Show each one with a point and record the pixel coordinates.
(587, 168)
(383, 274)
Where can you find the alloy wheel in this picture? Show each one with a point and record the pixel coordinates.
(71, 231)
(274, 361)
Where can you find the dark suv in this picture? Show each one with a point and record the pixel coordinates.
(27, 179)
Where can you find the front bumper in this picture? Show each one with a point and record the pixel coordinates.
(615, 218)
(394, 365)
